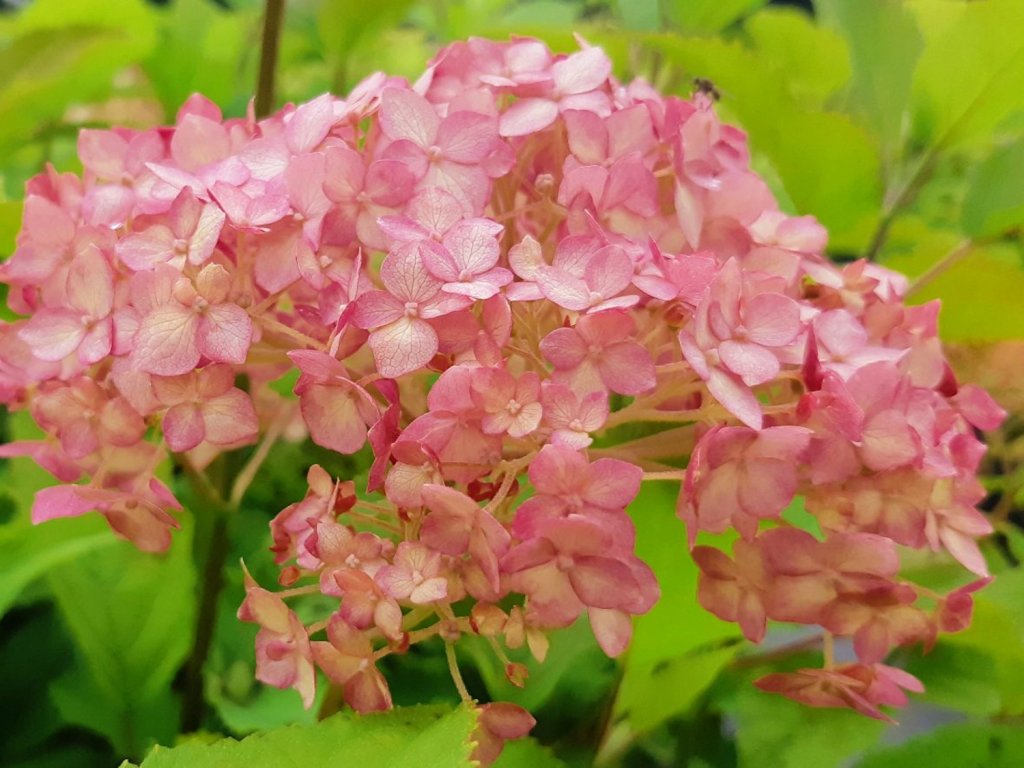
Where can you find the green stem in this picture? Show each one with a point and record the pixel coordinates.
(215, 513)
(273, 21)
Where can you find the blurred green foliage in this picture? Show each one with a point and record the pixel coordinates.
(899, 124)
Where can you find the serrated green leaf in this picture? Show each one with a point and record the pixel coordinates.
(995, 196)
(964, 745)
(412, 737)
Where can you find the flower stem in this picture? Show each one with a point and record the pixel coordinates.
(273, 21)
(453, 667)
(211, 581)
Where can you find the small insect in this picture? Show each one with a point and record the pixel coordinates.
(705, 86)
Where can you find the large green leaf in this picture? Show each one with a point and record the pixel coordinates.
(812, 60)
(10, 223)
(707, 16)
(413, 737)
(130, 615)
(63, 53)
(678, 648)
(775, 732)
(202, 48)
(527, 753)
(970, 77)
(343, 25)
(676, 624)
(884, 45)
(810, 149)
(964, 745)
(995, 196)
(997, 631)
(980, 290)
(29, 552)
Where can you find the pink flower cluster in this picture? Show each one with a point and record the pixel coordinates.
(477, 275)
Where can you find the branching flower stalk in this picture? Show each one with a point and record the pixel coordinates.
(488, 276)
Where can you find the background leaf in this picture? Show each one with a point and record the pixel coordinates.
(131, 617)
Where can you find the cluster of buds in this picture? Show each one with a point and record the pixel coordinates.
(480, 275)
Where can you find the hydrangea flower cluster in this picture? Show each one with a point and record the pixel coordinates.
(480, 275)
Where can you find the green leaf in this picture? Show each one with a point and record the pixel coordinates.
(575, 667)
(343, 24)
(10, 223)
(676, 624)
(638, 14)
(65, 53)
(527, 753)
(808, 148)
(201, 48)
(812, 60)
(650, 696)
(412, 737)
(980, 291)
(971, 71)
(707, 16)
(678, 648)
(285, 385)
(997, 630)
(959, 677)
(775, 732)
(995, 196)
(884, 45)
(964, 745)
(130, 615)
(29, 552)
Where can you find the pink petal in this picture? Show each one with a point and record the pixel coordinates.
(333, 418)
(59, 501)
(527, 116)
(772, 319)
(751, 362)
(165, 343)
(377, 308)
(735, 397)
(583, 71)
(467, 137)
(564, 348)
(405, 114)
(612, 629)
(183, 427)
(141, 250)
(404, 346)
(53, 334)
(627, 368)
(225, 333)
(230, 418)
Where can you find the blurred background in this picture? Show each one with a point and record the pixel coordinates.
(900, 125)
